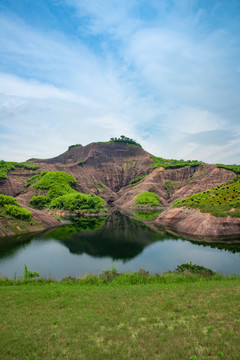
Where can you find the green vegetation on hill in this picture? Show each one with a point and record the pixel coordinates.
(134, 316)
(35, 178)
(32, 160)
(54, 184)
(147, 198)
(59, 193)
(10, 206)
(18, 212)
(13, 218)
(234, 168)
(72, 146)
(172, 164)
(169, 185)
(26, 166)
(78, 202)
(6, 166)
(8, 200)
(126, 140)
(223, 200)
(137, 179)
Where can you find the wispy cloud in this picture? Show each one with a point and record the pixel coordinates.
(165, 73)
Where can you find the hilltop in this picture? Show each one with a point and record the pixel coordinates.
(118, 171)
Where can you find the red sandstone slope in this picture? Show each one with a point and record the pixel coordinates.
(194, 223)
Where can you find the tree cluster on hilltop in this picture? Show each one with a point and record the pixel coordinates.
(125, 139)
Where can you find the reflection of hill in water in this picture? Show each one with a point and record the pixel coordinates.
(233, 247)
(9, 245)
(119, 238)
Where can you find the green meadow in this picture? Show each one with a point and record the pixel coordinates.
(128, 316)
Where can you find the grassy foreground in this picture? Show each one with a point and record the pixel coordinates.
(183, 318)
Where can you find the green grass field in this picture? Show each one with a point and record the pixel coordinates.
(193, 320)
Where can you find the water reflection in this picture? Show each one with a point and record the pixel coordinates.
(90, 245)
(118, 236)
(147, 215)
(10, 245)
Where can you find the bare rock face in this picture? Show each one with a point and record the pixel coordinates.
(193, 222)
(13, 185)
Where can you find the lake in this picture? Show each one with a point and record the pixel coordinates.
(94, 244)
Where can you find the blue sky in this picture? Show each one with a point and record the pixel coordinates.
(164, 72)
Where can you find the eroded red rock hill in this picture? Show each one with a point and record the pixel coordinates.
(106, 169)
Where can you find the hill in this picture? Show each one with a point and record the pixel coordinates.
(117, 171)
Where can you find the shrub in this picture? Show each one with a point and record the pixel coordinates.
(32, 160)
(108, 275)
(35, 178)
(78, 201)
(39, 202)
(29, 274)
(60, 195)
(72, 146)
(18, 212)
(57, 183)
(168, 185)
(147, 198)
(195, 269)
(126, 140)
(8, 200)
(134, 181)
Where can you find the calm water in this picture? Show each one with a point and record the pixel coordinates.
(90, 246)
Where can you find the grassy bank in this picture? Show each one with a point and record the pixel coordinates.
(181, 317)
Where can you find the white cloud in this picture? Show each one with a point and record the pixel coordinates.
(112, 17)
(15, 86)
(161, 82)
